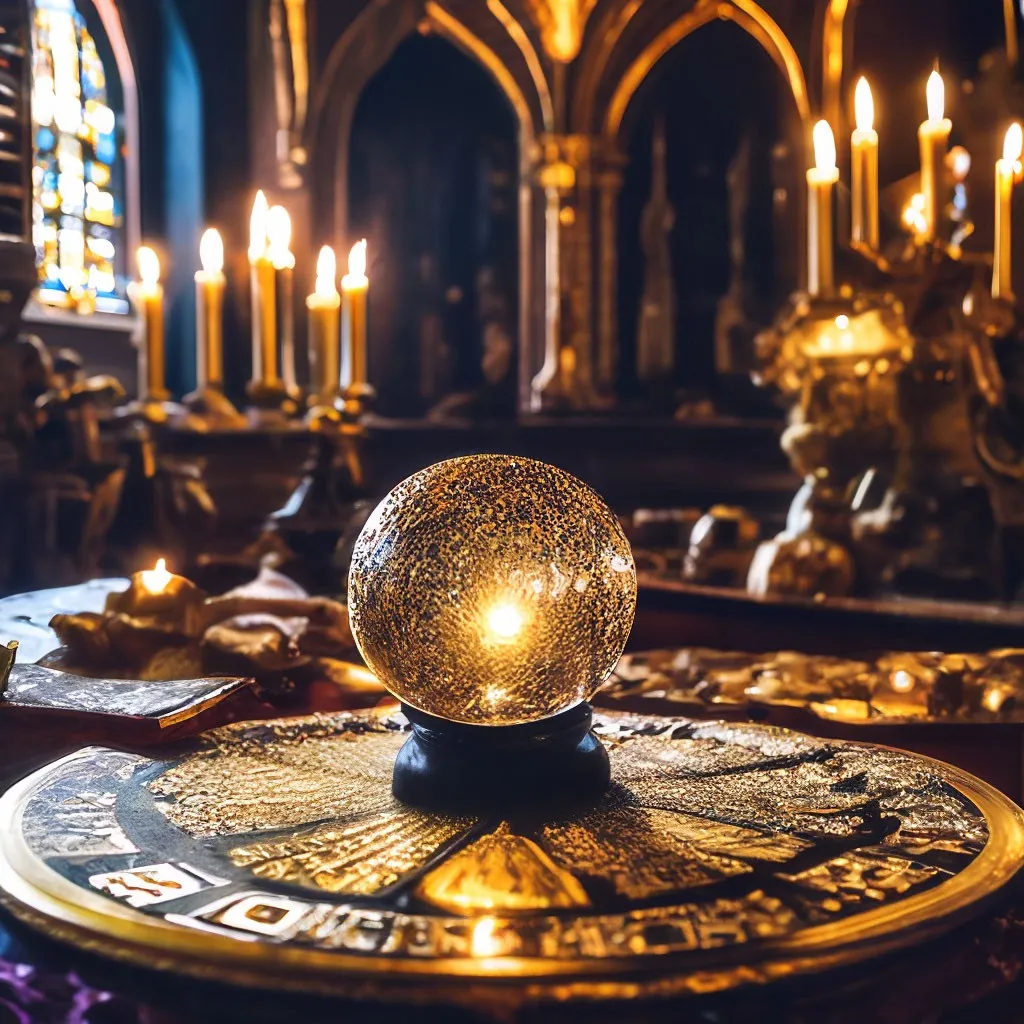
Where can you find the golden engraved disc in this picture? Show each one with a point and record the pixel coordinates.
(273, 855)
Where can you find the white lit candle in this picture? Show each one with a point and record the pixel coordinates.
(264, 314)
(210, 311)
(864, 169)
(354, 287)
(821, 180)
(150, 297)
(933, 136)
(1007, 171)
(279, 238)
(324, 307)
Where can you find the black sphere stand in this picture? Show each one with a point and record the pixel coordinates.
(450, 766)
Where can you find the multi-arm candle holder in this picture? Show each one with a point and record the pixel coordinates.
(897, 394)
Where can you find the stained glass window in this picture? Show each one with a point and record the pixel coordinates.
(77, 173)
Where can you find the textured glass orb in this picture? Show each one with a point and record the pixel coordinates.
(492, 590)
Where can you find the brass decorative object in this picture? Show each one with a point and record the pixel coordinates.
(721, 547)
(898, 395)
(164, 627)
(274, 855)
(7, 657)
(889, 688)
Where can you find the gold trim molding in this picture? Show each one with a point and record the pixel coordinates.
(522, 40)
(451, 27)
(749, 16)
(562, 24)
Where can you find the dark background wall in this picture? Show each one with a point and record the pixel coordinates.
(191, 61)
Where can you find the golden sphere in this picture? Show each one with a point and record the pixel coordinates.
(492, 590)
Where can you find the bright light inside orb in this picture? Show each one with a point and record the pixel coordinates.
(155, 580)
(505, 622)
(465, 598)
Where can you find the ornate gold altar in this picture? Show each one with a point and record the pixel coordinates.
(274, 854)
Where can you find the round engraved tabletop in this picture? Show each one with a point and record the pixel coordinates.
(274, 855)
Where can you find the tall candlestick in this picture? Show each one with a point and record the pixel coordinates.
(150, 296)
(933, 136)
(864, 170)
(821, 180)
(264, 313)
(279, 237)
(1007, 170)
(210, 312)
(324, 307)
(354, 287)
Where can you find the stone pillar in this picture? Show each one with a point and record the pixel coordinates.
(609, 181)
(562, 170)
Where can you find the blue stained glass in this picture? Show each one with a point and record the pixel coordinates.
(63, 78)
(106, 149)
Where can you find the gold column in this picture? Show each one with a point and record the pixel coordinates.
(565, 381)
(609, 186)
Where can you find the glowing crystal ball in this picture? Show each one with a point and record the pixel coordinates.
(492, 590)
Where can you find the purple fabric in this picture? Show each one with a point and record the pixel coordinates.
(30, 995)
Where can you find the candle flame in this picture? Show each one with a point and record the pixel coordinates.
(149, 266)
(864, 105)
(902, 681)
(913, 217)
(958, 160)
(279, 230)
(211, 251)
(326, 273)
(155, 580)
(279, 237)
(258, 227)
(824, 147)
(1013, 143)
(357, 260)
(935, 93)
